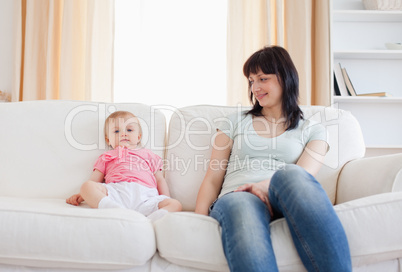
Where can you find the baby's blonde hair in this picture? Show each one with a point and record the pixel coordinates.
(116, 115)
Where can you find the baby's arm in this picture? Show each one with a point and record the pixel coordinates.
(97, 176)
(75, 200)
(163, 188)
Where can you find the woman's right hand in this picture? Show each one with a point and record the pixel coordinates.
(259, 189)
(75, 200)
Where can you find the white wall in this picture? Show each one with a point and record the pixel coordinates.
(6, 45)
(170, 52)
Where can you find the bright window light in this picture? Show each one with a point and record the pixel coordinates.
(170, 52)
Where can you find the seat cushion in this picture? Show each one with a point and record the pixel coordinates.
(50, 233)
(372, 225)
(192, 240)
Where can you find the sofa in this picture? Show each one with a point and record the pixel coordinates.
(48, 150)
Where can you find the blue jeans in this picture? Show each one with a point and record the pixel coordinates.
(297, 196)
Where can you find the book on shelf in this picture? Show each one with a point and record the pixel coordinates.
(352, 90)
(339, 81)
(348, 82)
(336, 87)
(375, 94)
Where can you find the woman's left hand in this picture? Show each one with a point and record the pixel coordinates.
(259, 189)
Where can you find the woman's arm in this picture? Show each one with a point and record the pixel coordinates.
(213, 180)
(162, 186)
(313, 156)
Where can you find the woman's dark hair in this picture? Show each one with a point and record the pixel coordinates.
(276, 60)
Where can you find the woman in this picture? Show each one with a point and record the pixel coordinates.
(272, 155)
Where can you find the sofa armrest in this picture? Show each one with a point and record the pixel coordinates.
(370, 176)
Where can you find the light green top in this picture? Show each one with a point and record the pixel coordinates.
(255, 158)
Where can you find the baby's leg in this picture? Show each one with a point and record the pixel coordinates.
(92, 192)
(164, 207)
(170, 204)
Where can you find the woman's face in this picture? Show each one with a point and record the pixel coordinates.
(266, 89)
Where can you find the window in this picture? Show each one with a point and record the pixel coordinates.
(170, 52)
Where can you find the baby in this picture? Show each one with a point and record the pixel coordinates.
(128, 176)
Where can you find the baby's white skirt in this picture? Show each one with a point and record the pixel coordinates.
(131, 195)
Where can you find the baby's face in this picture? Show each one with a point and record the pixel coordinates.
(124, 131)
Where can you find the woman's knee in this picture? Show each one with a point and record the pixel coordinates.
(293, 180)
(239, 206)
(291, 174)
(235, 201)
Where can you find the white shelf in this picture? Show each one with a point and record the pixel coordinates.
(358, 40)
(366, 16)
(369, 54)
(367, 99)
(384, 147)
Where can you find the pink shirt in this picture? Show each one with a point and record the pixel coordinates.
(130, 165)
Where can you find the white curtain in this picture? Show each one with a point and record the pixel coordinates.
(64, 50)
(308, 42)
(247, 32)
(301, 26)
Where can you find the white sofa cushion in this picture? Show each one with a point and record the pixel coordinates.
(49, 233)
(376, 175)
(189, 150)
(190, 140)
(194, 240)
(49, 147)
(190, 239)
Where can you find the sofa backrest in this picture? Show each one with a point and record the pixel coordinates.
(190, 137)
(49, 147)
